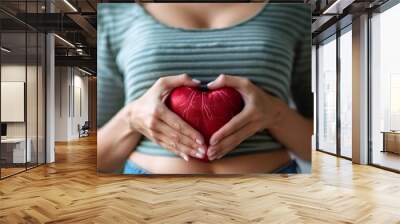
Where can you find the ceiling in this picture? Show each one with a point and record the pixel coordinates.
(19, 54)
(72, 20)
(331, 15)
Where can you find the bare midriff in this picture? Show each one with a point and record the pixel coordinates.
(251, 163)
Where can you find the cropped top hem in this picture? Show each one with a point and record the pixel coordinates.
(230, 154)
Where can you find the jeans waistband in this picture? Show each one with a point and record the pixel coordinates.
(132, 168)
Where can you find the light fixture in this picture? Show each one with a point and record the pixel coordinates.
(337, 7)
(64, 40)
(79, 51)
(5, 50)
(70, 5)
(84, 71)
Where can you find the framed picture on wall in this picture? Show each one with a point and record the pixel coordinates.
(12, 101)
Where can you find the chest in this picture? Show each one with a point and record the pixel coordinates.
(261, 53)
(202, 16)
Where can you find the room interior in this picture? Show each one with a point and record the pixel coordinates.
(22, 101)
(48, 78)
(336, 77)
(29, 99)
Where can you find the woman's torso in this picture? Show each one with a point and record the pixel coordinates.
(251, 163)
(261, 48)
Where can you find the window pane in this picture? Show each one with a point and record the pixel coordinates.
(31, 98)
(346, 94)
(14, 153)
(385, 86)
(327, 96)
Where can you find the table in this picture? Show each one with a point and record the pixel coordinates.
(13, 150)
(391, 141)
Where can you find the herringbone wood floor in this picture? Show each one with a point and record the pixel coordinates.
(70, 191)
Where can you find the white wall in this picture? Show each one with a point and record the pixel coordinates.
(80, 94)
(12, 100)
(61, 103)
(15, 72)
(71, 93)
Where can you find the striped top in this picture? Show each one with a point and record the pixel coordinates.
(272, 49)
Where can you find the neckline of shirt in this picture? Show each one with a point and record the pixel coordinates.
(240, 23)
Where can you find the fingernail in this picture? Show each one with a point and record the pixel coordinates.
(213, 142)
(185, 157)
(199, 155)
(210, 153)
(196, 81)
(198, 141)
(201, 150)
(210, 83)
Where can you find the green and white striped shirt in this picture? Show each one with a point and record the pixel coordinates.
(272, 49)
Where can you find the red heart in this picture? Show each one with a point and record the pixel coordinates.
(205, 110)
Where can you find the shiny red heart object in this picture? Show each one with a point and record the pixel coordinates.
(205, 110)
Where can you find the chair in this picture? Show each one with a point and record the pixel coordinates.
(84, 130)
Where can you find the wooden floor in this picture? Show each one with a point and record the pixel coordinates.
(70, 191)
(10, 171)
(5, 172)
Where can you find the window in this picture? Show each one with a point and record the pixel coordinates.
(385, 89)
(394, 102)
(327, 95)
(346, 92)
(22, 78)
(329, 112)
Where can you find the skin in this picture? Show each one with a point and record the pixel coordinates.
(261, 112)
(162, 126)
(202, 15)
(149, 116)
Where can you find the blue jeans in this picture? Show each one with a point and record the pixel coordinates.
(132, 168)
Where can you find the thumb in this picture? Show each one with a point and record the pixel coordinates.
(225, 81)
(168, 83)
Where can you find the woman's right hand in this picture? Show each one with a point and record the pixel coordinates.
(152, 118)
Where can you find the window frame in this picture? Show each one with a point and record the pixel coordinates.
(339, 32)
(378, 10)
(27, 29)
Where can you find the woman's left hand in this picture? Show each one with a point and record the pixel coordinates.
(261, 111)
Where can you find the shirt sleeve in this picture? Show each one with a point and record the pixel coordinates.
(301, 76)
(110, 86)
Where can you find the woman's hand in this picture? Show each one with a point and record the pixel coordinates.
(151, 117)
(261, 111)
